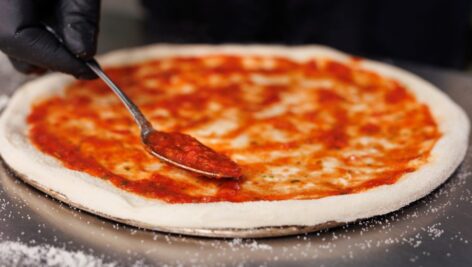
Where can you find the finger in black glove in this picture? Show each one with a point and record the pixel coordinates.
(24, 36)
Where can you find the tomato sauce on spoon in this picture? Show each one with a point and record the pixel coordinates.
(188, 151)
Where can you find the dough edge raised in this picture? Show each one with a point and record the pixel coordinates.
(102, 198)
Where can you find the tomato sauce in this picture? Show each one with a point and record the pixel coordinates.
(188, 151)
(295, 130)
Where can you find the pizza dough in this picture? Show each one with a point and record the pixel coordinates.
(100, 197)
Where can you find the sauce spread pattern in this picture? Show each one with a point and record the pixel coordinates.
(299, 130)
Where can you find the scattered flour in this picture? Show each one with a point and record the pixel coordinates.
(433, 231)
(20, 254)
(252, 245)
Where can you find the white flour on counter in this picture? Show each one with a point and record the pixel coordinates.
(20, 254)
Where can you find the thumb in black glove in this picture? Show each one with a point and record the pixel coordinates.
(33, 49)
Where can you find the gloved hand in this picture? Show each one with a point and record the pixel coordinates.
(32, 48)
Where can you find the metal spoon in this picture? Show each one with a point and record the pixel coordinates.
(147, 131)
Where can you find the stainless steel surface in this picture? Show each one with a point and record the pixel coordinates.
(434, 231)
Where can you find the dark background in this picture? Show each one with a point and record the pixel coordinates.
(434, 32)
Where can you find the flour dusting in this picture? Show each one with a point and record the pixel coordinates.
(19, 254)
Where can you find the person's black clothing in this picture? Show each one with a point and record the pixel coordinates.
(428, 31)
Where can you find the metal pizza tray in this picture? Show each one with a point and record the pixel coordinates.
(36, 229)
(259, 232)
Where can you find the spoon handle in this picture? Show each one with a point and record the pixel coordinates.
(138, 116)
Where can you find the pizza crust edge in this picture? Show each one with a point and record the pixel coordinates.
(102, 198)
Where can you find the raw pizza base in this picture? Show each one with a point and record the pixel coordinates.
(226, 218)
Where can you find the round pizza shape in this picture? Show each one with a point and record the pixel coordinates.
(321, 138)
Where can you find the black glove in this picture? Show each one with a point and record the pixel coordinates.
(32, 48)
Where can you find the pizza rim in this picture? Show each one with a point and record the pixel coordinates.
(455, 130)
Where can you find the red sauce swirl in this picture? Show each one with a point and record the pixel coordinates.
(299, 130)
